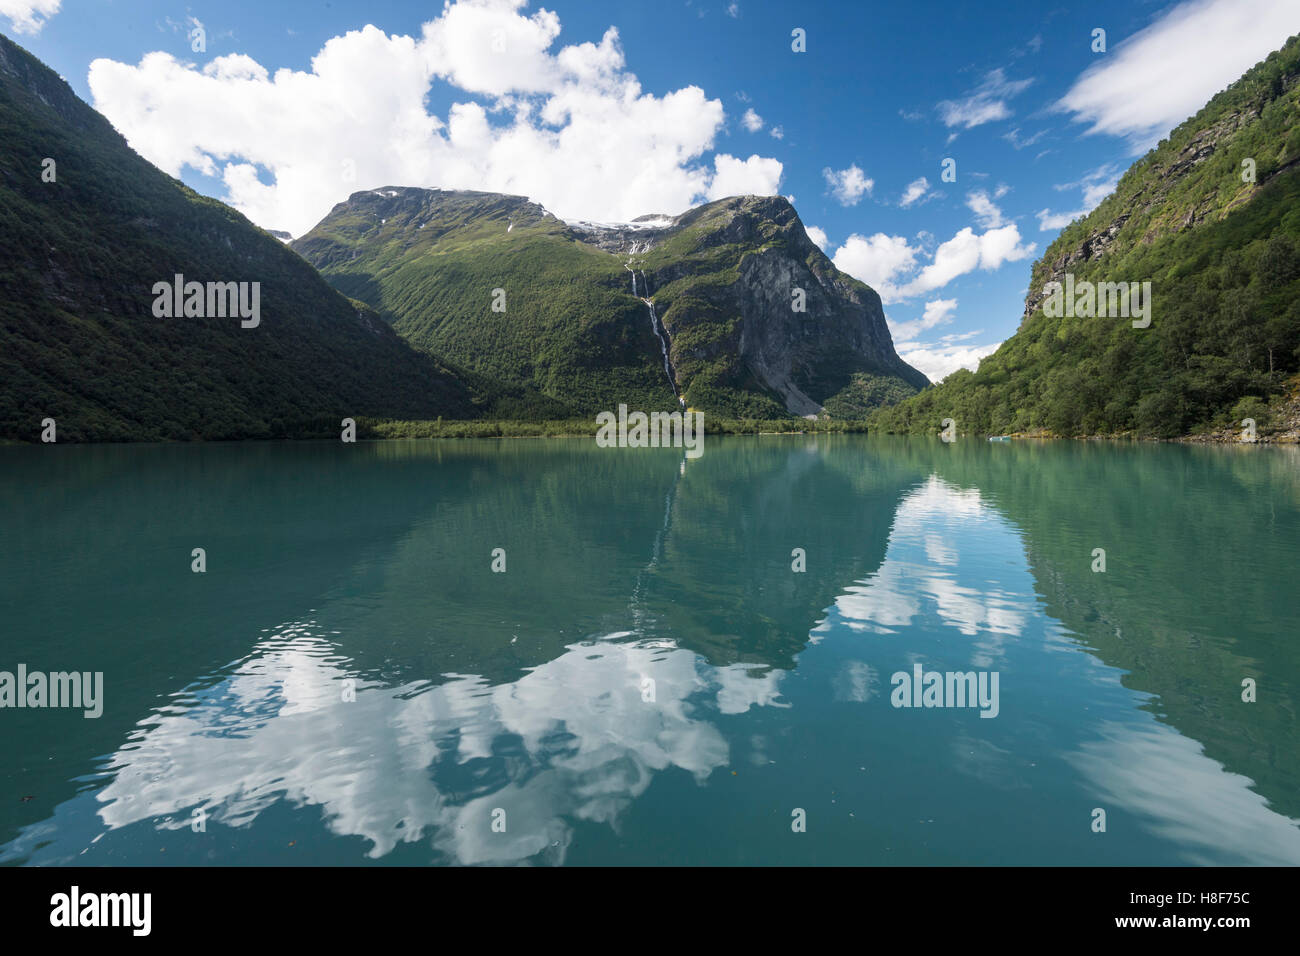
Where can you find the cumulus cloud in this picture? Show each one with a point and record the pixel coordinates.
(818, 236)
(848, 185)
(28, 16)
(917, 190)
(736, 177)
(570, 127)
(777, 132)
(1155, 79)
(752, 121)
(967, 251)
(937, 362)
(880, 261)
(889, 263)
(937, 312)
(984, 104)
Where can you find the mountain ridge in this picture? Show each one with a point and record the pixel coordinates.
(720, 280)
(81, 249)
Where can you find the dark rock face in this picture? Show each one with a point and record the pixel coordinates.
(804, 356)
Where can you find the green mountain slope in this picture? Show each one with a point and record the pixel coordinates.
(79, 341)
(1222, 254)
(719, 331)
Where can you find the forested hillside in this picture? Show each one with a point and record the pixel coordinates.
(1211, 218)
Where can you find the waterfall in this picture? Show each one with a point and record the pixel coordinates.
(660, 333)
(663, 344)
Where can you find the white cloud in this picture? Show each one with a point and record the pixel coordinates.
(733, 10)
(1096, 186)
(736, 177)
(752, 121)
(777, 132)
(1165, 73)
(937, 362)
(1049, 221)
(1019, 142)
(987, 214)
(985, 104)
(28, 16)
(570, 128)
(937, 312)
(916, 190)
(878, 261)
(967, 251)
(818, 236)
(848, 185)
(888, 263)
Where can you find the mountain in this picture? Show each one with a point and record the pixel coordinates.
(87, 228)
(701, 308)
(1211, 218)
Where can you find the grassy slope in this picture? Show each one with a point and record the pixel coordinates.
(569, 329)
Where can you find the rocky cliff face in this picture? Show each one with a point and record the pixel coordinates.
(1194, 178)
(729, 306)
(801, 328)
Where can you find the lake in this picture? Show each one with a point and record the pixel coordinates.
(675, 661)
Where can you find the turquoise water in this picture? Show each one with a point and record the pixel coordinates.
(649, 681)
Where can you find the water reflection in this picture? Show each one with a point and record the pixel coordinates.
(1172, 788)
(577, 738)
(652, 681)
(954, 593)
(922, 568)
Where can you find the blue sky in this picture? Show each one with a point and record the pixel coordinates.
(611, 110)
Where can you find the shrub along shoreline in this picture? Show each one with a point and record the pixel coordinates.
(398, 430)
